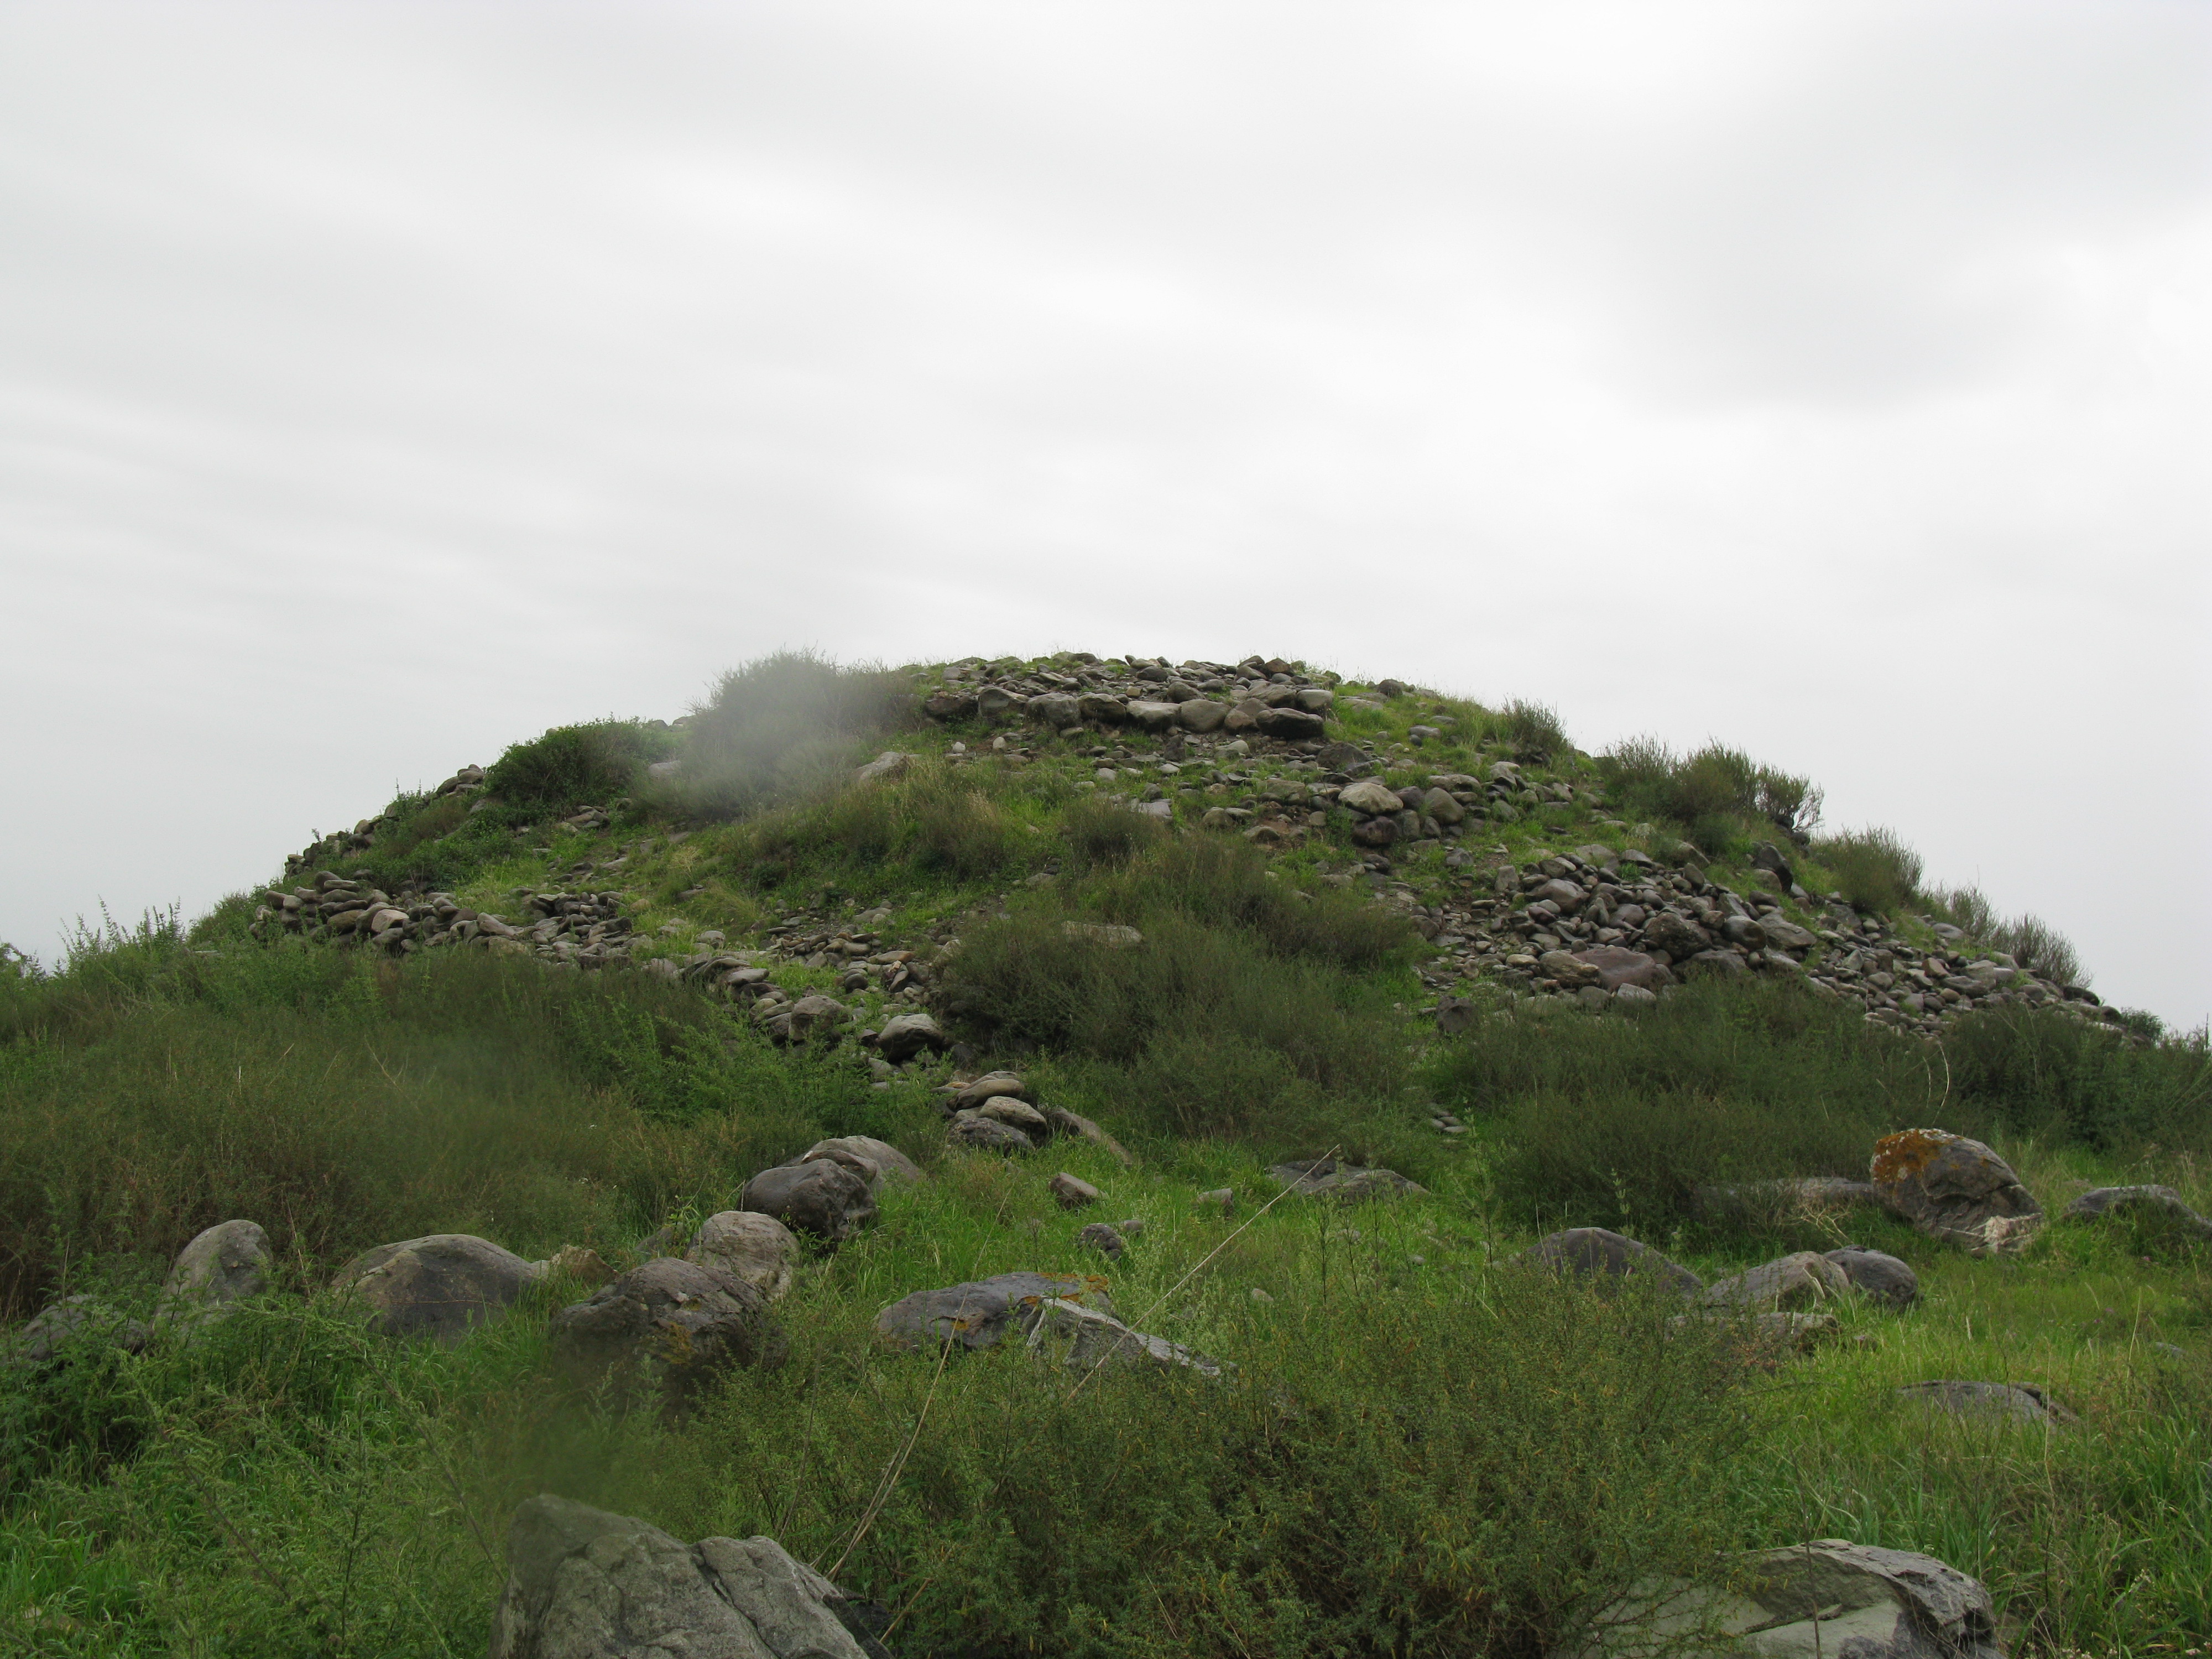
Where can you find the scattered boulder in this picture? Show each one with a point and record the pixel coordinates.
(1370, 798)
(79, 1320)
(1100, 1237)
(1005, 1108)
(585, 1584)
(439, 1286)
(906, 1036)
(972, 1130)
(1602, 1255)
(2161, 1203)
(1791, 1283)
(992, 1083)
(810, 1018)
(224, 1265)
(872, 1160)
(1347, 1183)
(978, 1314)
(753, 1249)
(2018, 1403)
(1073, 1191)
(886, 766)
(667, 1329)
(1825, 1600)
(819, 1196)
(1676, 934)
(1953, 1189)
(1201, 714)
(1878, 1275)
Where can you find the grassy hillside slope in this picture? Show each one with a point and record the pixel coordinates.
(560, 1013)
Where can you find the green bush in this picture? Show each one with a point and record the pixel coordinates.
(1873, 869)
(343, 1101)
(1534, 731)
(933, 823)
(1239, 1013)
(1719, 797)
(574, 766)
(783, 727)
(1384, 1475)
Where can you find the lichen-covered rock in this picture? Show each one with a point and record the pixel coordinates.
(585, 1584)
(224, 1265)
(438, 1287)
(1828, 1599)
(1955, 1189)
(754, 1248)
(666, 1330)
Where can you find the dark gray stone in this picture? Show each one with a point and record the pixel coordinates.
(222, 1265)
(1880, 1276)
(2160, 1202)
(439, 1286)
(1347, 1183)
(819, 1196)
(666, 1330)
(1602, 1255)
(2018, 1403)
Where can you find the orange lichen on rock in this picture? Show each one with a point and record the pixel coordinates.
(1907, 1152)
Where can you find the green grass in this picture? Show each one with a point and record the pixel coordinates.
(1421, 1449)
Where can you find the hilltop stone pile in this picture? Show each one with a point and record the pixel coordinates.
(1605, 925)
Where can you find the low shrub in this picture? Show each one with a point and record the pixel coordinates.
(1873, 869)
(573, 766)
(1382, 1476)
(933, 823)
(1719, 797)
(782, 728)
(1238, 1015)
(1534, 731)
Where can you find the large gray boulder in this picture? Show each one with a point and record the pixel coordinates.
(585, 1584)
(819, 1196)
(1825, 1600)
(972, 1130)
(1954, 1190)
(1878, 1275)
(224, 1265)
(439, 1286)
(905, 1035)
(666, 1330)
(754, 1248)
(978, 1314)
(1605, 1257)
(2150, 1203)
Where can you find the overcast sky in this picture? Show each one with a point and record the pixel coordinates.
(379, 385)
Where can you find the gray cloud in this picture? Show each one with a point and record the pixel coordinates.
(377, 384)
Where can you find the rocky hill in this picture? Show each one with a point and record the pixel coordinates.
(1099, 1155)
